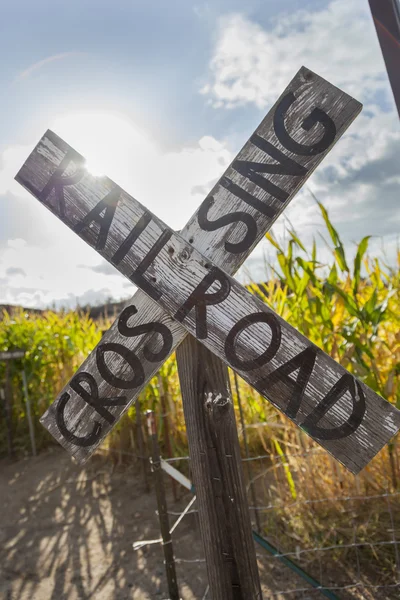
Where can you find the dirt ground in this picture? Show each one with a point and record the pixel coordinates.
(66, 533)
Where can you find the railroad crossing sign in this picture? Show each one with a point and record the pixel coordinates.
(186, 285)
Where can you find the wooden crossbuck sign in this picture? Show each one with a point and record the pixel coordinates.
(186, 283)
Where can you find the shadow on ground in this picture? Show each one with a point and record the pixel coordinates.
(66, 532)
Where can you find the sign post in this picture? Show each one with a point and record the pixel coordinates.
(216, 464)
(186, 287)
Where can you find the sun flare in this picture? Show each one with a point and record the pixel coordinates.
(106, 140)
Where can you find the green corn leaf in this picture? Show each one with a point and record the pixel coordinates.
(361, 250)
(341, 258)
(350, 304)
(333, 275)
(297, 240)
(286, 467)
(332, 231)
(314, 251)
(273, 241)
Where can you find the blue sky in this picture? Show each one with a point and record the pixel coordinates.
(161, 96)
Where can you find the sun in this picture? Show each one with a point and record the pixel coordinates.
(107, 140)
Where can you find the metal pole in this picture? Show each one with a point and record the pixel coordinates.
(28, 413)
(162, 508)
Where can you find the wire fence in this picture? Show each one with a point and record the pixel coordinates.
(347, 542)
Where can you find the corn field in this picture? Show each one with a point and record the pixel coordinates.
(351, 311)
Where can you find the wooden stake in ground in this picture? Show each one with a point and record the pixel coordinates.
(162, 509)
(8, 411)
(165, 421)
(28, 413)
(217, 474)
(246, 449)
(141, 448)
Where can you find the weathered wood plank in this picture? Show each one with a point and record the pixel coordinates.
(228, 240)
(217, 474)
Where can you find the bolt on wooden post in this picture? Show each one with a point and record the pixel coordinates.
(162, 508)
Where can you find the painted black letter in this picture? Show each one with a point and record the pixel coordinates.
(83, 441)
(316, 116)
(236, 190)
(131, 238)
(153, 327)
(304, 364)
(58, 181)
(267, 355)
(107, 204)
(200, 299)
(235, 217)
(285, 166)
(137, 276)
(129, 357)
(91, 397)
(346, 383)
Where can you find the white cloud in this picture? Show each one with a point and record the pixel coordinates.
(253, 64)
(166, 182)
(359, 180)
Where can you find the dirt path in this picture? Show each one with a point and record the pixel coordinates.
(66, 533)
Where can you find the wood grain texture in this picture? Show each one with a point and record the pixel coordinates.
(217, 474)
(82, 192)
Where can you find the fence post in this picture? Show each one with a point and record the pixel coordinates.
(165, 421)
(217, 473)
(246, 449)
(28, 413)
(141, 445)
(162, 508)
(8, 410)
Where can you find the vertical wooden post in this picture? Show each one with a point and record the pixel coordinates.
(28, 413)
(246, 449)
(162, 508)
(140, 444)
(165, 421)
(8, 410)
(217, 473)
